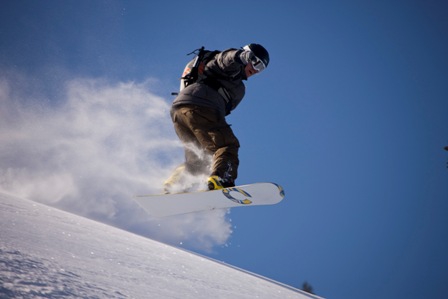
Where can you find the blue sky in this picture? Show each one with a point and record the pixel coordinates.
(350, 118)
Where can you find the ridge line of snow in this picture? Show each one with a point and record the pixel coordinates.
(313, 296)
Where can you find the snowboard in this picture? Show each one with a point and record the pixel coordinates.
(164, 205)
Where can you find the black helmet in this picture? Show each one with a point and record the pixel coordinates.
(259, 51)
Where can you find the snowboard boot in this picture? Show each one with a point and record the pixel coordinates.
(216, 183)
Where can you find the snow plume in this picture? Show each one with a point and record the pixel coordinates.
(91, 150)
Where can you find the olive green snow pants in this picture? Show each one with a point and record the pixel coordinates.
(206, 134)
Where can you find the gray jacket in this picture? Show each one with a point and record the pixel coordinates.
(223, 87)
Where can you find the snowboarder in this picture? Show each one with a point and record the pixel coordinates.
(198, 114)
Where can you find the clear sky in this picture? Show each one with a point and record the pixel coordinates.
(351, 118)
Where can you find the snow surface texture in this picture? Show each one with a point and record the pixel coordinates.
(49, 253)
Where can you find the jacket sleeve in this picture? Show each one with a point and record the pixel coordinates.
(226, 70)
(229, 63)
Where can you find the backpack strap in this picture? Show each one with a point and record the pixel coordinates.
(193, 75)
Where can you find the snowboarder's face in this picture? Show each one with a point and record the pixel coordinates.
(249, 69)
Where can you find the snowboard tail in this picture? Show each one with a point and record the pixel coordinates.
(163, 205)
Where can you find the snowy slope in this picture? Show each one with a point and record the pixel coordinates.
(48, 253)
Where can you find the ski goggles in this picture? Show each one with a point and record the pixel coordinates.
(257, 63)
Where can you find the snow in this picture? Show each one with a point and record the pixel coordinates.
(49, 253)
